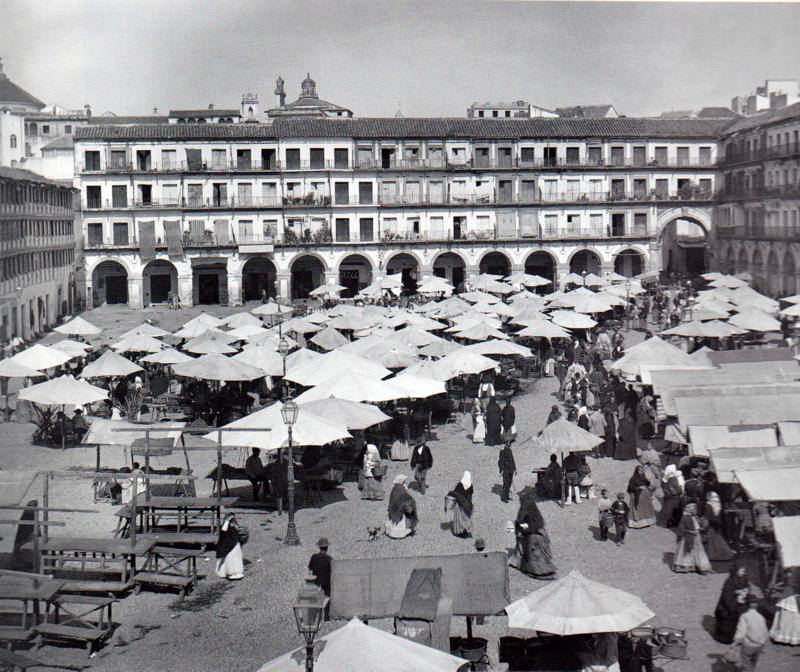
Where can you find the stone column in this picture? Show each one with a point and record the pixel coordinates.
(185, 290)
(234, 289)
(135, 291)
(331, 277)
(283, 285)
(89, 292)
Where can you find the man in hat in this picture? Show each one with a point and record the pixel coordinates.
(254, 469)
(320, 566)
(421, 462)
(621, 511)
(507, 467)
(79, 424)
(480, 545)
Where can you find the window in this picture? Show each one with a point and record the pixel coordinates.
(505, 157)
(365, 193)
(705, 186)
(244, 159)
(661, 156)
(342, 193)
(573, 154)
(94, 234)
(269, 193)
(527, 155)
(244, 193)
(268, 159)
(91, 160)
(640, 188)
(120, 233)
(482, 159)
(550, 225)
(364, 157)
(46, 129)
(617, 188)
(342, 230)
(93, 198)
(341, 157)
(389, 192)
(683, 156)
(317, 157)
(117, 158)
(169, 194)
(617, 156)
(480, 113)
(13, 141)
(195, 195)
(119, 195)
(169, 159)
(145, 194)
(293, 159)
(508, 113)
(573, 223)
(527, 191)
(596, 224)
(435, 156)
(494, 113)
(436, 192)
(143, 160)
(705, 156)
(639, 156)
(218, 158)
(366, 229)
(639, 223)
(551, 190)
(595, 155)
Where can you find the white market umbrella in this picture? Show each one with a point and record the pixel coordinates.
(217, 367)
(245, 332)
(354, 415)
(527, 280)
(415, 337)
(11, 369)
(494, 347)
(72, 348)
(335, 363)
(329, 339)
(168, 356)
(63, 391)
(109, 365)
(300, 357)
(439, 348)
(353, 387)
(138, 343)
(147, 329)
(572, 320)
(576, 605)
(329, 289)
(435, 286)
(543, 329)
(466, 362)
(728, 281)
(308, 430)
(476, 297)
(433, 370)
(40, 357)
(300, 325)
(269, 361)
(357, 647)
(417, 387)
(753, 319)
(564, 436)
(208, 346)
(653, 351)
(481, 332)
(242, 320)
(78, 327)
(272, 308)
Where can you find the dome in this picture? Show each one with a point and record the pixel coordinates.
(308, 87)
(15, 96)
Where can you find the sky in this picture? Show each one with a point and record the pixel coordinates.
(429, 58)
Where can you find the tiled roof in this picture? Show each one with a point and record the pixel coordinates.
(585, 111)
(766, 119)
(142, 119)
(11, 93)
(22, 175)
(393, 127)
(63, 142)
(717, 113)
(204, 113)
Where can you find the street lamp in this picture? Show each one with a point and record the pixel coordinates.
(627, 303)
(289, 414)
(283, 350)
(308, 610)
(583, 275)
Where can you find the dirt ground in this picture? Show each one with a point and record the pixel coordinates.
(238, 626)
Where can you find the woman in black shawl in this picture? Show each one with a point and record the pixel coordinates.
(732, 604)
(626, 446)
(533, 543)
(230, 564)
(459, 501)
(642, 512)
(402, 511)
(494, 424)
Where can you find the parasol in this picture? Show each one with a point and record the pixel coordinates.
(63, 391)
(168, 356)
(354, 415)
(329, 339)
(109, 365)
(217, 367)
(335, 363)
(565, 436)
(41, 357)
(138, 343)
(269, 361)
(78, 327)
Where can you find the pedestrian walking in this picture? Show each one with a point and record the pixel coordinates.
(605, 517)
(508, 420)
(421, 462)
(751, 635)
(507, 467)
(621, 511)
(320, 566)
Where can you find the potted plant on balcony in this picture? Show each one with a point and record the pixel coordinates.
(289, 236)
(323, 234)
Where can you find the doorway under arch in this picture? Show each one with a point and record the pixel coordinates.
(406, 265)
(495, 263)
(684, 247)
(773, 279)
(159, 278)
(308, 273)
(210, 281)
(789, 275)
(542, 264)
(742, 262)
(757, 270)
(355, 273)
(451, 267)
(258, 275)
(109, 283)
(629, 263)
(585, 260)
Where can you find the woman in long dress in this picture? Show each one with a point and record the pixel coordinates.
(402, 511)
(690, 556)
(626, 445)
(533, 543)
(459, 502)
(672, 487)
(373, 487)
(641, 500)
(732, 603)
(230, 564)
(786, 624)
(716, 546)
(479, 431)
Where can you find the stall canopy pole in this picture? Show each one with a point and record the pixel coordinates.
(134, 489)
(45, 502)
(219, 478)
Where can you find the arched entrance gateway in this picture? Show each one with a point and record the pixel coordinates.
(109, 283)
(684, 247)
(789, 275)
(210, 280)
(773, 276)
(742, 264)
(308, 273)
(495, 263)
(629, 263)
(585, 260)
(258, 274)
(407, 265)
(451, 267)
(542, 264)
(355, 273)
(159, 278)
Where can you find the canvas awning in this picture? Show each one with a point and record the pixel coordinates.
(727, 460)
(671, 395)
(729, 374)
(477, 583)
(789, 433)
(778, 484)
(787, 534)
(105, 432)
(752, 409)
(705, 438)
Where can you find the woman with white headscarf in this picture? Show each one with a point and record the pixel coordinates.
(402, 511)
(230, 564)
(672, 487)
(717, 548)
(372, 470)
(459, 502)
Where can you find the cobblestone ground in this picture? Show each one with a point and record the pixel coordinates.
(237, 627)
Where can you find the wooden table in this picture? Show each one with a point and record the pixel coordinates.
(31, 591)
(183, 507)
(59, 550)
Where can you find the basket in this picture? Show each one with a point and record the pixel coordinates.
(380, 471)
(244, 534)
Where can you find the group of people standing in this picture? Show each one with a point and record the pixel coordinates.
(492, 425)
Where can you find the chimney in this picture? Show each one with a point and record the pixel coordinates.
(87, 111)
(211, 106)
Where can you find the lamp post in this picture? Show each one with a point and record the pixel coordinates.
(627, 304)
(283, 350)
(308, 610)
(289, 414)
(583, 275)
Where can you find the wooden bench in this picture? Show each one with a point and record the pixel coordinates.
(110, 588)
(77, 609)
(183, 583)
(89, 636)
(170, 567)
(10, 635)
(11, 661)
(177, 539)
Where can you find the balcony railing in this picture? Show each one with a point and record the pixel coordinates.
(782, 151)
(776, 191)
(787, 233)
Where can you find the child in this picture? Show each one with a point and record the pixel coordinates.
(620, 511)
(604, 513)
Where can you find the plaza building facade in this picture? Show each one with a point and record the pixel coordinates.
(219, 213)
(37, 253)
(757, 215)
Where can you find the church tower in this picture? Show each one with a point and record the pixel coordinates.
(249, 106)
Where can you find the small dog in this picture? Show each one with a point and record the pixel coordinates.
(373, 533)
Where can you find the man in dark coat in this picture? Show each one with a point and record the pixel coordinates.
(421, 461)
(554, 415)
(508, 419)
(320, 566)
(507, 467)
(494, 423)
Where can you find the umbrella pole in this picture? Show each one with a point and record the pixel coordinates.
(469, 627)
(63, 427)
(563, 483)
(219, 478)
(146, 475)
(134, 489)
